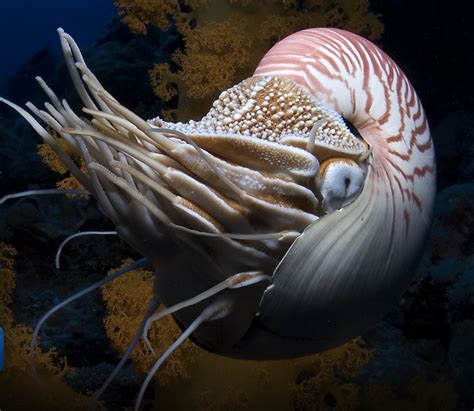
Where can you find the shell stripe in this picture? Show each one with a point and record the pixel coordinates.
(381, 233)
(361, 82)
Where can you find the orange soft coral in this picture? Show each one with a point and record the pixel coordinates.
(331, 379)
(72, 183)
(51, 159)
(126, 300)
(53, 162)
(138, 14)
(303, 383)
(239, 383)
(16, 379)
(225, 39)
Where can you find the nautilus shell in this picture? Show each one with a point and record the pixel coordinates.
(290, 217)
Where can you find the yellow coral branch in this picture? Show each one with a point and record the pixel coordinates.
(15, 379)
(126, 300)
(225, 39)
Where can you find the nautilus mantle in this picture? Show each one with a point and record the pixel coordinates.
(307, 190)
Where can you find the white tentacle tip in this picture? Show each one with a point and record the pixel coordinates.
(148, 344)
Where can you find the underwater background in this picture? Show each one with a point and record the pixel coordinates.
(420, 356)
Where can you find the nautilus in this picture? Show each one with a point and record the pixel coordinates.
(284, 222)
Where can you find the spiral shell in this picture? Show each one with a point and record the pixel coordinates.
(347, 269)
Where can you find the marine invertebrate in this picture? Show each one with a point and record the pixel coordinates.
(275, 231)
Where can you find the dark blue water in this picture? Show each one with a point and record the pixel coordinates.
(27, 26)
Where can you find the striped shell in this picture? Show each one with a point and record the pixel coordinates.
(347, 269)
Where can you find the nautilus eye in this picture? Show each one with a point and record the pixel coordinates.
(339, 182)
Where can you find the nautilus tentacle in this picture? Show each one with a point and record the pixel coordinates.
(348, 267)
